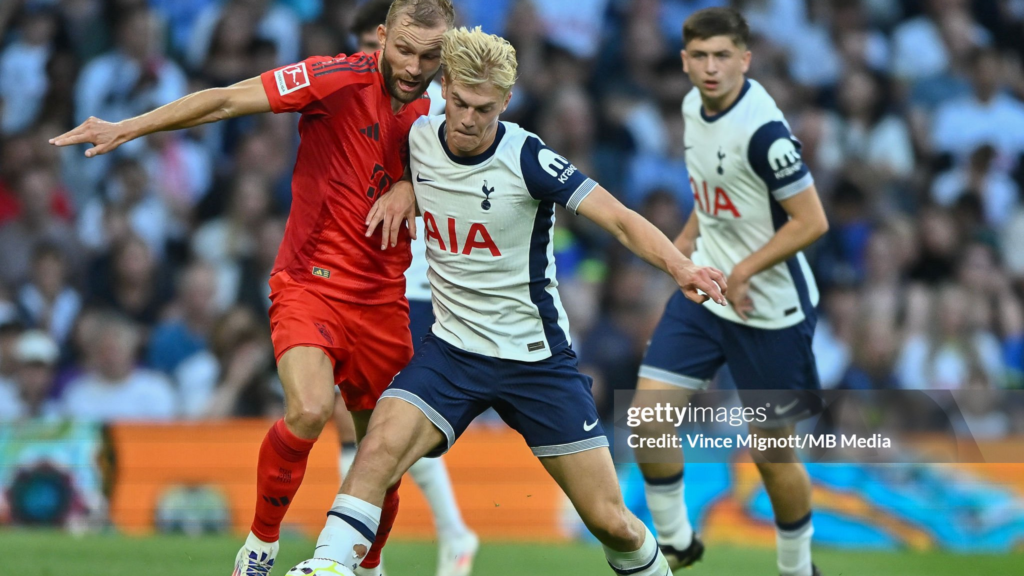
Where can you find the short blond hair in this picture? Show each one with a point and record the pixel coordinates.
(472, 57)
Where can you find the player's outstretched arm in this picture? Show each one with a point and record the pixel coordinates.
(243, 98)
(807, 222)
(647, 242)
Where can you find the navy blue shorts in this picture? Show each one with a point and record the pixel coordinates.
(691, 343)
(548, 402)
(421, 318)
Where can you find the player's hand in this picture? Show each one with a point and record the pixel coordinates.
(703, 283)
(396, 206)
(104, 136)
(739, 293)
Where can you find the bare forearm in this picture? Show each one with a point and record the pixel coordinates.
(793, 237)
(199, 108)
(646, 241)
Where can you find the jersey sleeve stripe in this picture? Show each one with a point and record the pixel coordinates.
(353, 70)
(582, 191)
(794, 188)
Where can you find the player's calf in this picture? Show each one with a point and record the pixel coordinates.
(398, 435)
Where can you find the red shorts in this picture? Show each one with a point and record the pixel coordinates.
(367, 345)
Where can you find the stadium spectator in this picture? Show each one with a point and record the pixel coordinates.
(130, 192)
(927, 45)
(953, 347)
(35, 224)
(116, 388)
(235, 377)
(994, 190)
(28, 395)
(225, 242)
(130, 282)
(864, 137)
(254, 287)
(192, 316)
(23, 78)
(273, 22)
(11, 328)
(987, 116)
(48, 302)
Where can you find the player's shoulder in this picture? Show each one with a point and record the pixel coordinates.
(351, 68)
(692, 103)
(759, 107)
(426, 125)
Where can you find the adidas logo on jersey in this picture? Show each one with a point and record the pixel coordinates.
(784, 158)
(371, 132)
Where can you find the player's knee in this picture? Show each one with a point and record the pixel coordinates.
(615, 527)
(308, 416)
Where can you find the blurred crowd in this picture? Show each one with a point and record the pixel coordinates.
(134, 285)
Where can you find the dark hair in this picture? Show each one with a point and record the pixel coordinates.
(371, 15)
(426, 13)
(710, 22)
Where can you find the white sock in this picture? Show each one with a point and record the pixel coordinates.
(431, 475)
(346, 458)
(647, 561)
(793, 543)
(352, 523)
(668, 510)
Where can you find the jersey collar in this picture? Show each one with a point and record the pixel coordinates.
(470, 160)
(743, 92)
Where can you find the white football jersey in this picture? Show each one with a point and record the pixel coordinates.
(416, 285)
(742, 162)
(489, 226)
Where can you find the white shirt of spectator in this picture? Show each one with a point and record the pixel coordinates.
(23, 84)
(489, 231)
(742, 162)
(963, 125)
(143, 395)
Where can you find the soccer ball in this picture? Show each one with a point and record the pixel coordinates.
(319, 567)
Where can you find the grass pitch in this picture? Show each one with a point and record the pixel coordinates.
(42, 553)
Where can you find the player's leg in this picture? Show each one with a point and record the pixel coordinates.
(426, 388)
(588, 479)
(380, 347)
(346, 436)
(789, 488)
(670, 375)
(307, 377)
(458, 544)
(399, 433)
(777, 367)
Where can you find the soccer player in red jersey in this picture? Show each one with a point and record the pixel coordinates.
(338, 309)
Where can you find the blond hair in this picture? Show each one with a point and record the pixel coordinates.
(472, 57)
(425, 13)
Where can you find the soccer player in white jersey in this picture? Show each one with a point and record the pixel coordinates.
(487, 192)
(457, 544)
(756, 209)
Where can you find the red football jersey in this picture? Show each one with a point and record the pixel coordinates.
(353, 148)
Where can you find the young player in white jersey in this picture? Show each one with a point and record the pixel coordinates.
(756, 209)
(487, 192)
(457, 543)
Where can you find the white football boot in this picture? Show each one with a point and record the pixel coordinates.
(455, 557)
(256, 558)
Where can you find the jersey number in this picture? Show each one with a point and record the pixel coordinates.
(722, 202)
(380, 182)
